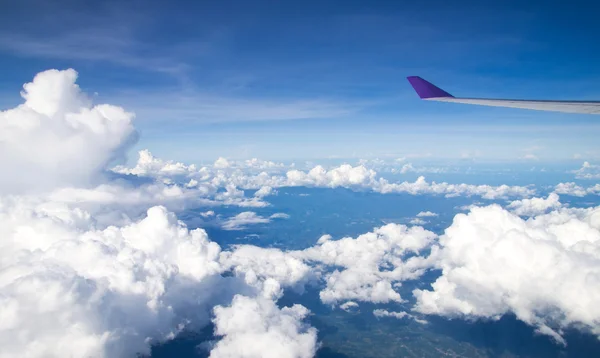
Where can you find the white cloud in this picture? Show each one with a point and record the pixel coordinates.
(535, 206)
(544, 270)
(258, 265)
(99, 292)
(408, 167)
(256, 327)
(424, 214)
(418, 221)
(365, 268)
(344, 175)
(81, 273)
(383, 313)
(203, 107)
(148, 165)
(421, 186)
(363, 277)
(234, 175)
(58, 137)
(280, 216)
(576, 190)
(207, 214)
(588, 171)
(221, 163)
(264, 191)
(349, 306)
(241, 220)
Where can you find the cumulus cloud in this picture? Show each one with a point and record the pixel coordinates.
(384, 313)
(235, 176)
(381, 313)
(99, 292)
(370, 263)
(207, 214)
(366, 268)
(259, 265)
(221, 163)
(544, 270)
(81, 271)
(349, 306)
(576, 190)
(264, 191)
(256, 327)
(535, 206)
(148, 165)
(408, 168)
(241, 220)
(418, 221)
(588, 171)
(421, 186)
(58, 137)
(344, 175)
(426, 214)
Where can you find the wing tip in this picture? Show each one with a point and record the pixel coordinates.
(426, 89)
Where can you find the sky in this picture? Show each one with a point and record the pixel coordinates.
(315, 80)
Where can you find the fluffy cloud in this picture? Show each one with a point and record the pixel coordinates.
(535, 206)
(588, 171)
(349, 306)
(545, 270)
(365, 268)
(418, 221)
(99, 292)
(264, 191)
(381, 313)
(576, 190)
(58, 137)
(408, 167)
(426, 214)
(421, 186)
(82, 270)
(384, 313)
(259, 265)
(234, 176)
(363, 277)
(344, 175)
(148, 165)
(241, 220)
(256, 327)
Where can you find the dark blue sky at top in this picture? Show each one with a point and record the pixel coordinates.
(210, 72)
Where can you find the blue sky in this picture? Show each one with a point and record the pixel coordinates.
(308, 80)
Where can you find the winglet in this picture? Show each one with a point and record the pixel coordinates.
(425, 89)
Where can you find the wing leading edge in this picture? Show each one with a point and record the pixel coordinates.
(430, 92)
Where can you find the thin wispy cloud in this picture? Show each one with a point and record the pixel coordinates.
(203, 107)
(99, 45)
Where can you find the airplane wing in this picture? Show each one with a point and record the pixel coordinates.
(430, 92)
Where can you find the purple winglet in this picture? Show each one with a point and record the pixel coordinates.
(425, 89)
